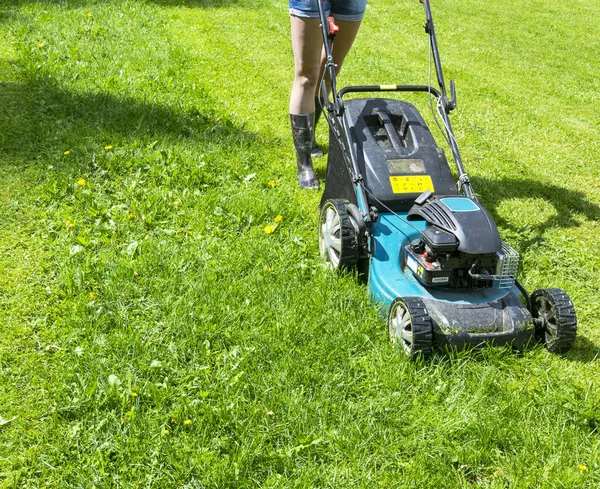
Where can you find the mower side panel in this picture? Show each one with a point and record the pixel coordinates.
(460, 317)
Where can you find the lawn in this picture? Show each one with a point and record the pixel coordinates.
(152, 334)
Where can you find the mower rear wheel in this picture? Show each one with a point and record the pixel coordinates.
(409, 325)
(555, 320)
(338, 235)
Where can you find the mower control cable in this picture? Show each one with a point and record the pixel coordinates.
(388, 209)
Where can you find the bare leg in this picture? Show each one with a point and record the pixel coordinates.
(307, 44)
(341, 46)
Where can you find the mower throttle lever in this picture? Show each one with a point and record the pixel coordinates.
(333, 28)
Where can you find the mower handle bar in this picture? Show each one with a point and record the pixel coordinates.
(446, 105)
(390, 88)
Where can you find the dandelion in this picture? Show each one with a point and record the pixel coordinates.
(269, 229)
(187, 422)
(92, 295)
(42, 44)
(108, 147)
(271, 183)
(173, 420)
(165, 432)
(582, 467)
(279, 219)
(67, 153)
(268, 269)
(134, 394)
(81, 182)
(90, 15)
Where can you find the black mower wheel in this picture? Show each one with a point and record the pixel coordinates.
(554, 318)
(409, 325)
(338, 235)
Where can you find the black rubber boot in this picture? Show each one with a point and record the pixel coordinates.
(302, 131)
(315, 151)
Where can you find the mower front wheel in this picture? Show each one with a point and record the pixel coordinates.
(554, 318)
(409, 325)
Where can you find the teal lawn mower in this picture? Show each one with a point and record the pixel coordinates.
(430, 252)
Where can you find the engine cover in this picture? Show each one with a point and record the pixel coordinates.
(465, 218)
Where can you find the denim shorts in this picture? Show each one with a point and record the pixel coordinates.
(349, 10)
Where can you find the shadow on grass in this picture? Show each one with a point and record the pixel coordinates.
(584, 351)
(568, 203)
(202, 3)
(165, 3)
(41, 117)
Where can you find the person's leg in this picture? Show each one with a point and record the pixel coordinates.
(341, 46)
(343, 41)
(307, 45)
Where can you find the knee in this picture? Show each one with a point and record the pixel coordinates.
(308, 81)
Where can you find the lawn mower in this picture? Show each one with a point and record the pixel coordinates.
(431, 254)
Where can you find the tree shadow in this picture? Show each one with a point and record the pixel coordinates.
(202, 3)
(166, 3)
(37, 117)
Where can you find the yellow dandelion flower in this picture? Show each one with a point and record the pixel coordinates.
(582, 467)
(173, 420)
(187, 421)
(68, 152)
(269, 229)
(134, 394)
(107, 147)
(42, 44)
(165, 432)
(90, 14)
(92, 295)
(271, 183)
(81, 181)
(279, 219)
(268, 269)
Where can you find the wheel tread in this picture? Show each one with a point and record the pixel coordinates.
(421, 325)
(564, 310)
(349, 249)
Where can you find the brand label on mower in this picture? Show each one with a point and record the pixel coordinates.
(411, 184)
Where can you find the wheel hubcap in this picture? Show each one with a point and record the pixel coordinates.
(548, 317)
(401, 328)
(331, 243)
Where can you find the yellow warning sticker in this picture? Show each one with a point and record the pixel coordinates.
(411, 184)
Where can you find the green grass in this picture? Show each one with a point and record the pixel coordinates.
(153, 335)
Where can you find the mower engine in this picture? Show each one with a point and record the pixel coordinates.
(460, 246)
